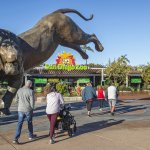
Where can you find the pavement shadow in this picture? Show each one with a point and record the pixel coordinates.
(128, 108)
(101, 113)
(94, 126)
(36, 139)
(82, 105)
(40, 108)
(90, 127)
(4, 120)
(147, 98)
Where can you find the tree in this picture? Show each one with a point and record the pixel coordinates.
(146, 75)
(62, 88)
(85, 48)
(117, 70)
(95, 65)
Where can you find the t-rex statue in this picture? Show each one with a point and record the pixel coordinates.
(33, 47)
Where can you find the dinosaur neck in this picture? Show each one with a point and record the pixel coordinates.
(36, 47)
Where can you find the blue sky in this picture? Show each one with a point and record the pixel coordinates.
(122, 26)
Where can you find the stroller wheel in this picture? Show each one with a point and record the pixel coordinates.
(75, 128)
(70, 132)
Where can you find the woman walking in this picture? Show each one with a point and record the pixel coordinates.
(54, 101)
(88, 95)
(100, 96)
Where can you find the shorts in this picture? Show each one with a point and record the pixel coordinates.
(112, 102)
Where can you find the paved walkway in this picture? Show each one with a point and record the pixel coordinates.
(128, 129)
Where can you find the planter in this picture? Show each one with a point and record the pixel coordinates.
(41, 99)
(72, 99)
(66, 99)
(125, 91)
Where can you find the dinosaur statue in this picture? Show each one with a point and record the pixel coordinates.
(20, 53)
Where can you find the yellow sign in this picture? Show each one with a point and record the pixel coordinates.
(64, 67)
(65, 59)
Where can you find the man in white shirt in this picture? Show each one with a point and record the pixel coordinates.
(112, 97)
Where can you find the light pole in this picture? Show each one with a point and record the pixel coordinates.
(102, 75)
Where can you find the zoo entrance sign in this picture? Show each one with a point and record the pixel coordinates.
(64, 67)
(65, 61)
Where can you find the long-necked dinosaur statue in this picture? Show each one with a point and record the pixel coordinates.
(33, 47)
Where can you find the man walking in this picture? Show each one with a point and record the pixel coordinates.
(112, 94)
(88, 95)
(25, 100)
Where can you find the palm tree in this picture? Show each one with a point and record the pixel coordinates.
(85, 48)
(117, 70)
(123, 59)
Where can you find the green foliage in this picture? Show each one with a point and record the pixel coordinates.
(66, 94)
(146, 75)
(145, 69)
(124, 88)
(95, 65)
(74, 93)
(62, 88)
(117, 71)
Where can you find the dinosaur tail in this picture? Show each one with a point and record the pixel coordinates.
(67, 10)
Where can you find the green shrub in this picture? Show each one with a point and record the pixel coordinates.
(127, 89)
(74, 93)
(124, 88)
(62, 88)
(121, 88)
(66, 94)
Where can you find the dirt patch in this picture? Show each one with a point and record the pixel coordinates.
(135, 95)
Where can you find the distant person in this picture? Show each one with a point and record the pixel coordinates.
(112, 95)
(88, 95)
(78, 89)
(25, 100)
(54, 102)
(100, 97)
(70, 90)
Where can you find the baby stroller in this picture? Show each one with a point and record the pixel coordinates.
(65, 121)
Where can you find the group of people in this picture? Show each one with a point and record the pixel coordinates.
(26, 102)
(89, 94)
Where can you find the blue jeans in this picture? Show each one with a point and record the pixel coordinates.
(21, 117)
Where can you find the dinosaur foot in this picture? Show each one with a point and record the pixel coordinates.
(5, 111)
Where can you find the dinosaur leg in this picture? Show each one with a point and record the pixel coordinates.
(14, 82)
(87, 38)
(81, 39)
(77, 48)
(69, 32)
(98, 45)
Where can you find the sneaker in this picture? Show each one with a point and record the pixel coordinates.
(112, 113)
(101, 109)
(33, 137)
(89, 113)
(52, 141)
(15, 142)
